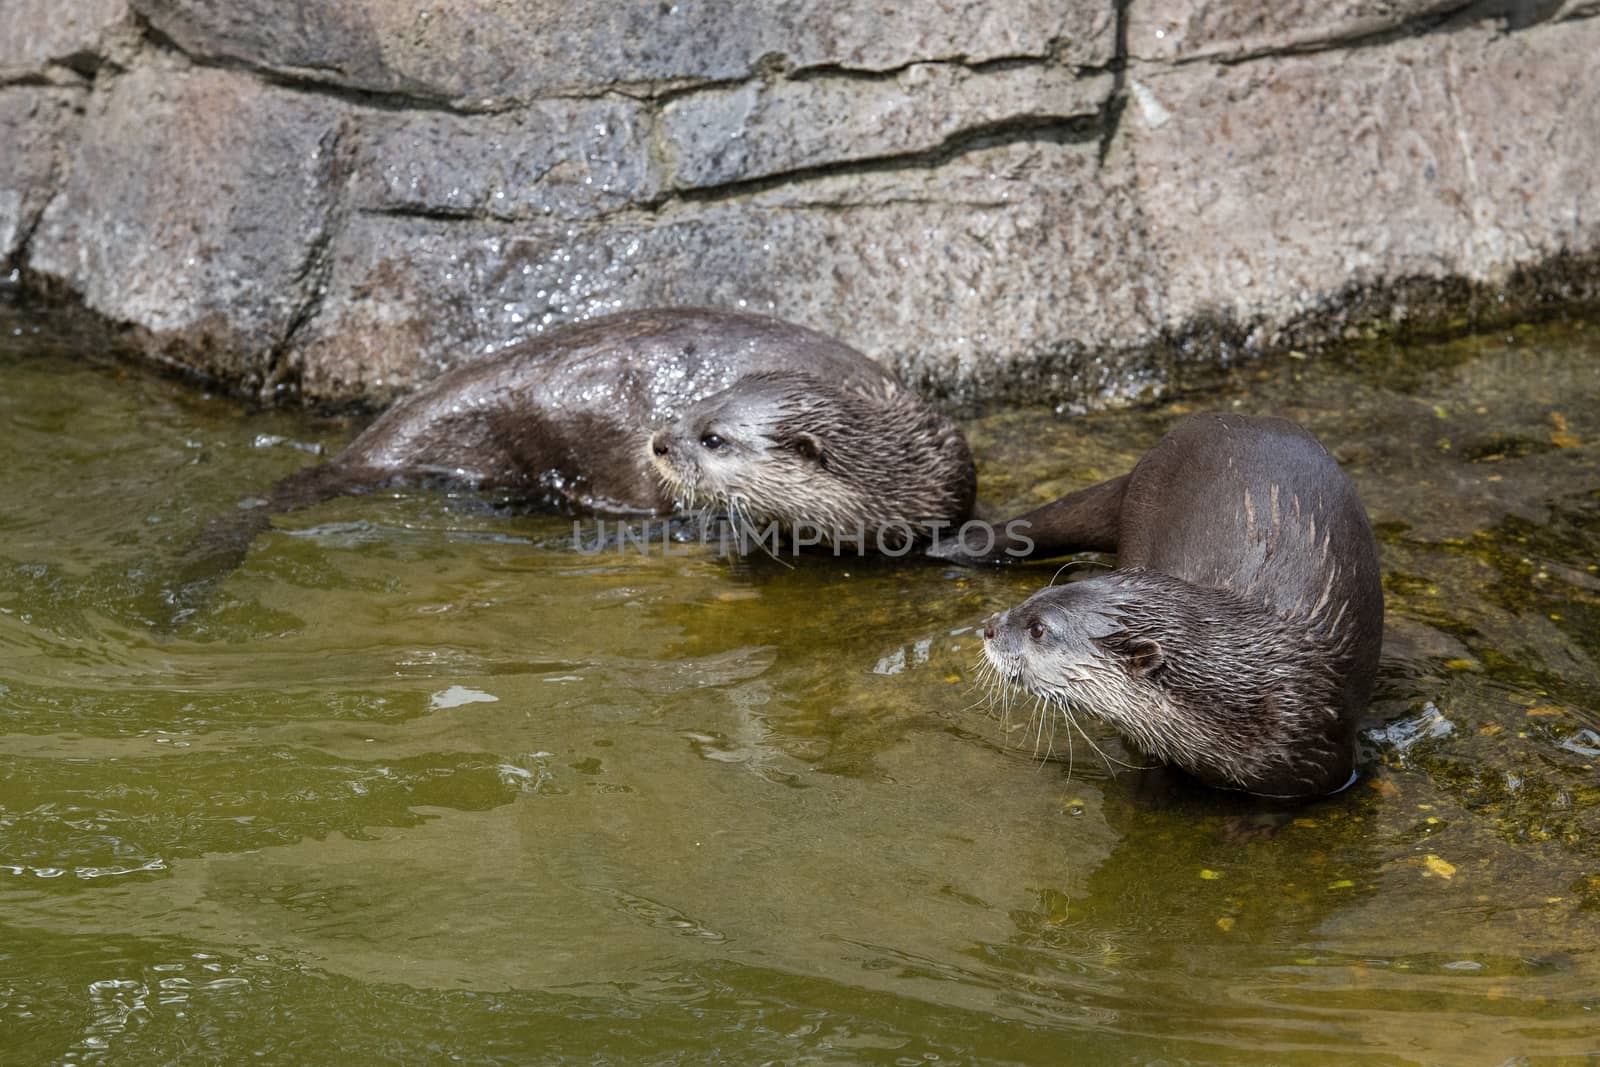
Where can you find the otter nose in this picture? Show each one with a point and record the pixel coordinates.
(988, 627)
(658, 444)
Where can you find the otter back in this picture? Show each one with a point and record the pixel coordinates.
(1239, 636)
(564, 418)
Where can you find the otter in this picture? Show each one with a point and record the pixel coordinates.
(1238, 637)
(866, 464)
(562, 419)
(565, 420)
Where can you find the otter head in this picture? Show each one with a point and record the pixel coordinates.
(1205, 679)
(840, 462)
(1076, 645)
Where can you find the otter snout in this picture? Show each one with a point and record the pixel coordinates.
(1002, 648)
(999, 636)
(1019, 632)
(660, 444)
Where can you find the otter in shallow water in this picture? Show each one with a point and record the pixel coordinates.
(865, 464)
(565, 419)
(1238, 638)
(562, 419)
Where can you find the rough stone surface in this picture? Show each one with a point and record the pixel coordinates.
(1225, 29)
(565, 159)
(903, 266)
(1526, 112)
(38, 33)
(764, 128)
(486, 55)
(196, 207)
(34, 125)
(1455, 162)
(1013, 199)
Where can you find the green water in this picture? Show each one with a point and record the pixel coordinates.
(423, 784)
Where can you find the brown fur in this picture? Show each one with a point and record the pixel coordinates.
(849, 462)
(563, 420)
(1239, 637)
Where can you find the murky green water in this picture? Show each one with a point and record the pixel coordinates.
(424, 784)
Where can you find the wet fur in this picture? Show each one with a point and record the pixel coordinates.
(563, 419)
(847, 462)
(1239, 638)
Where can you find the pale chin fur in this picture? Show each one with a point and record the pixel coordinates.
(1084, 688)
(682, 490)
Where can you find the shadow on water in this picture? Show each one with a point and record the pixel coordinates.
(421, 776)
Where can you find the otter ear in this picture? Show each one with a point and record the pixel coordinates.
(1144, 658)
(809, 446)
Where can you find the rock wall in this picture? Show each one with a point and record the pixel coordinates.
(1074, 199)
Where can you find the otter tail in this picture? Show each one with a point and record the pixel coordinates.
(219, 548)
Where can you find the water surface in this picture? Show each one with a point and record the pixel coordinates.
(424, 783)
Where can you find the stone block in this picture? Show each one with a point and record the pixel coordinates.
(997, 271)
(1525, 110)
(767, 127)
(559, 158)
(195, 206)
(1269, 187)
(39, 33)
(36, 124)
(1173, 30)
(479, 55)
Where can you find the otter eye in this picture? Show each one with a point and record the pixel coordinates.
(711, 441)
(1036, 630)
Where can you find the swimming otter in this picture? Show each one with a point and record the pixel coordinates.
(865, 463)
(562, 418)
(565, 419)
(1238, 638)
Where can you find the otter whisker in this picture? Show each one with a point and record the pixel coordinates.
(999, 699)
(1040, 719)
(984, 673)
(1071, 753)
(972, 687)
(739, 507)
(999, 695)
(1007, 694)
(1066, 713)
(981, 696)
(1050, 740)
(1037, 722)
(684, 493)
(1039, 728)
(981, 677)
(1077, 561)
(1072, 723)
